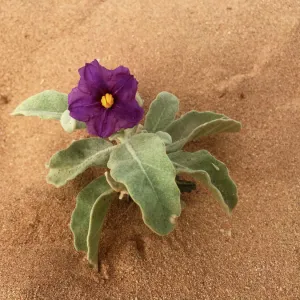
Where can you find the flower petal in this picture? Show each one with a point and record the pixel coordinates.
(103, 124)
(95, 77)
(79, 97)
(85, 100)
(83, 106)
(128, 114)
(85, 113)
(127, 92)
(113, 120)
(118, 79)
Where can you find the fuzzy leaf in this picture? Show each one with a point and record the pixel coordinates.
(210, 172)
(116, 186)
(162, 112)
(194, 125)
(125, 134)
(85, 201)
(165, 137)
(80, 125)
(143, 166)
(49, 104)
(69, 124)
(80, 155)
(139, 99)
(97, 216)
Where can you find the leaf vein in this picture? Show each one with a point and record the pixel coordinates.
(135, 157)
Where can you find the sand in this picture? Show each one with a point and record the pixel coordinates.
(236, 57)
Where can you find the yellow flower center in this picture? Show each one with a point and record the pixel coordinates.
(107, 101)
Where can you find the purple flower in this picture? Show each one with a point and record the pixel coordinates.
(105, 99)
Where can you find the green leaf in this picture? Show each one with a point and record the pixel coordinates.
(88, 216)
(139, 99)
(116, 186)
(162, 112)
(194, 125)
(46, 105)
(142, 165)
(81, 215)
(97, 216)
(165, 137)
(210, 172)
(80, 125)
(80, 155)
(124, 134)
(69, 124)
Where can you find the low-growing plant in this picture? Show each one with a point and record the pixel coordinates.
(142, 161)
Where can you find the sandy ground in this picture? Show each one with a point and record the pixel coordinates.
(236, 57)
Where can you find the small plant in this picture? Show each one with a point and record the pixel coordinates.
(142, 161)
